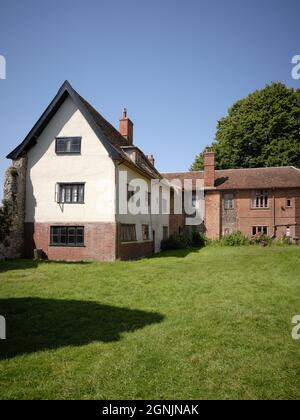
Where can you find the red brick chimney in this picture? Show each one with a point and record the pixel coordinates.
(126, 127)
(209, 168)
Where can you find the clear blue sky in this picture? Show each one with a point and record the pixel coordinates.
(176, 65)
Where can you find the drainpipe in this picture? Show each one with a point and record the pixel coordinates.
(274, 214)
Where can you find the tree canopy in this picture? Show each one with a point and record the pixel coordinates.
(261, 130)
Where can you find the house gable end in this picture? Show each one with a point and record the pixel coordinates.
(64, 92)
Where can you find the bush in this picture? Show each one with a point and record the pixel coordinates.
(198, 240)
(13, 171)
(235, 239)
(285, 240)
(174, 242)
(262, 239)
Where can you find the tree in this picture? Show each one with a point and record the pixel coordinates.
(261, 130)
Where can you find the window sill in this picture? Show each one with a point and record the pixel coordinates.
(66, 246)
(68, 154)
(69, 203)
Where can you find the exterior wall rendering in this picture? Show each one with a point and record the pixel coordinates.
(92, 166)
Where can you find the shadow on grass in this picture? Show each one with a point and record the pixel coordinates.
(34, 324)
(177, 253)
(25, 264)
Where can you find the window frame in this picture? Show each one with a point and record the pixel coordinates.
(262, 227)
(291, 203)
(67, 235)
(66, 140)
(131, 226)
(71, 185)
(227, 200)
(130, 192)
(258, 196)
(147, 238)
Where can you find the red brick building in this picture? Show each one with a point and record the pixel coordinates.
(263, 200)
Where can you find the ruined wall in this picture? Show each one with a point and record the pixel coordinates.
(14, 193)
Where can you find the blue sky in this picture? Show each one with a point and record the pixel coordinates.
(176, 65)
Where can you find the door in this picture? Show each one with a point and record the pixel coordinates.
(153, 238)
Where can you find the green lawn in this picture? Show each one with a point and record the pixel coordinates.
(214, 323)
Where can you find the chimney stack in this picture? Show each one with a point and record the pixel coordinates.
(209, 168)
(151, 159)
(126, 128)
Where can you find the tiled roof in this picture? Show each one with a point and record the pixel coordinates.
(232, 179)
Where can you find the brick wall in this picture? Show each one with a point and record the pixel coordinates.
(135, 250)
(213, 214)
(99, 238)
(276, 217)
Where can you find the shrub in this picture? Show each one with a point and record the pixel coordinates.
(262, 239)
(285, 240)
(174, 242)
(235, 239)
(198, 240)
(13, 172)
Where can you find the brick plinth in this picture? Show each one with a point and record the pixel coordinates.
(135, 250)
(99, 238)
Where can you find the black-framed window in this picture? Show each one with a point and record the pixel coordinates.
(67, 236)
(130, 192)
(70, 193)
(68, 145)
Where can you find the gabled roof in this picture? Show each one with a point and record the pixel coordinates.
(253, 178)
(111, 139)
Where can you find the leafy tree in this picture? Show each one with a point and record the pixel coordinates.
(261, 130)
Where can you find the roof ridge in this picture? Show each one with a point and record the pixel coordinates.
(262, 167)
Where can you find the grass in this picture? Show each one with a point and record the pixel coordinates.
(209, 324)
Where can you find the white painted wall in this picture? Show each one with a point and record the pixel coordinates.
(93, 166)
(155, 222)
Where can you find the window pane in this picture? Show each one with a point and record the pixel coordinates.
(75, 193)
(68, 194)
(81, 194)
(128, 233)
(62, 194)
(79, 236)
(60, 146)
(71, 236)
(75, 145)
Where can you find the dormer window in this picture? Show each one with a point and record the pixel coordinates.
(68, 145)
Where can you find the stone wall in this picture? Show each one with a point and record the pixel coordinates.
(15, 193)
